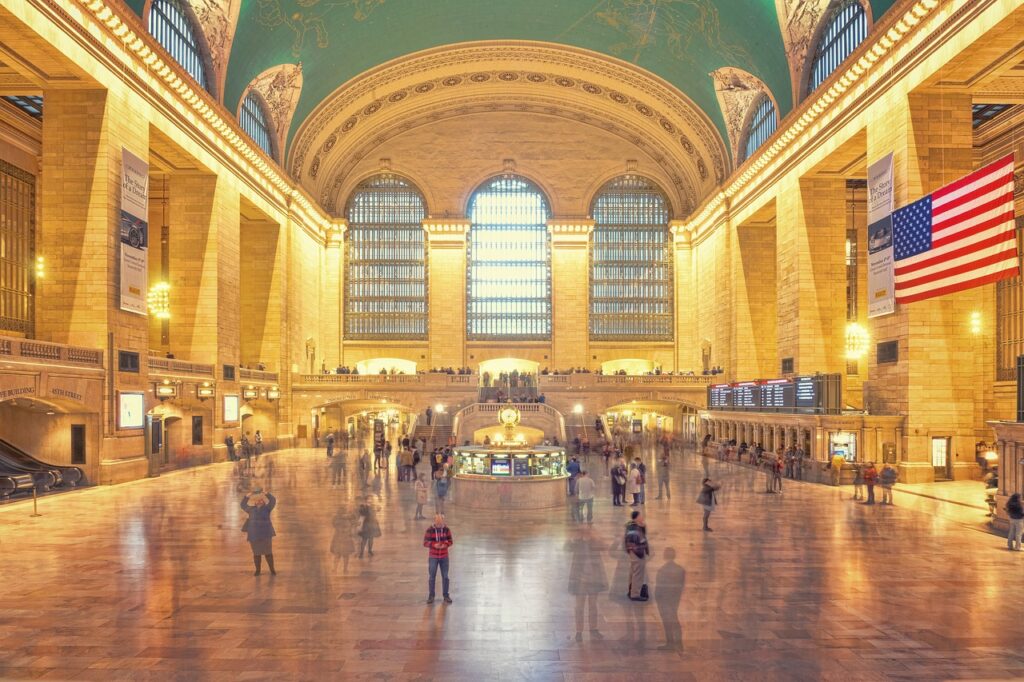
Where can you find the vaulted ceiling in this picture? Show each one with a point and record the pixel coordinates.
(310, 54)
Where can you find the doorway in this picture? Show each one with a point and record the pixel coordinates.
(940, 458)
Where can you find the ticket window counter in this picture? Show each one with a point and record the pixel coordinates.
(843, 443)
(472, 462)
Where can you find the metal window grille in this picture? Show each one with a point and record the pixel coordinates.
(508, 268)
(254, 122)
(385, 263)
(171, 27)
(762, 126)
(846, 29)
(983, 113)
(17, 249)
(30, 104)
(631, 293)
(1009, 321)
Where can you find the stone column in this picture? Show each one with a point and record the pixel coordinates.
(812, 273)
(446, 263)
(944, 371)
(78, 302)
(754, 301)
(687, 353)
(333, 299)
(570, 292)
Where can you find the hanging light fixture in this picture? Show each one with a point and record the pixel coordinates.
(856, 341)
(159, 301)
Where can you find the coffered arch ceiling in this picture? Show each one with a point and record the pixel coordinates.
(532, 78)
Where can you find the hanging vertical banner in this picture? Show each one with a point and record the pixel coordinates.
(881, 294)
(134, 231)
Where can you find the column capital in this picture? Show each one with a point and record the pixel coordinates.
(682, 233)
(452, 230)
(336, 233)
(570, 231)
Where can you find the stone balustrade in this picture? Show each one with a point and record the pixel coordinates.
(31, 350)
(170, 366)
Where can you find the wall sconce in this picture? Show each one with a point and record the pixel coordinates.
(205, 391)
(159, 301)
(40, 267)
(273, 393)
(250, 393)
(975, 323)
(856, 341)
(166, 390)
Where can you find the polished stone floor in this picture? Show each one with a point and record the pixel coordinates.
(153, 580)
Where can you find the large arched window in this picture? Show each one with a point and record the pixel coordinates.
(846, 28)
(509, 262)
(385, 267)
(630, 265)
(762, 126)
(170, 24)
(253, 119)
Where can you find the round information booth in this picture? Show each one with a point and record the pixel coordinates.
(509, 477)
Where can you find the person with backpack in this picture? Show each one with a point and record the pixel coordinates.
(888, 479)
(708, 500)
(1015, 511)
(637, 549)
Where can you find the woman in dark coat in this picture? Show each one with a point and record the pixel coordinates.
(619, 477)
(258, 528)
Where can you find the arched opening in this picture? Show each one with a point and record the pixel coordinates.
(173, 25)
(385, 262)
(504, 379)
(631, 287)
(255, 121)
(508, 262)
(844, 29)
(38, 436)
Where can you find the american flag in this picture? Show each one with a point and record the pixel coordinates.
(960, 237)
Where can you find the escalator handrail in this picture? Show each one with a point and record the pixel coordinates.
(15, 453)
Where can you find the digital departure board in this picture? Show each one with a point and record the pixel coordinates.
(812, 394)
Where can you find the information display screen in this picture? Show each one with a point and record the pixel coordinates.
(817, 394)
(501, 467)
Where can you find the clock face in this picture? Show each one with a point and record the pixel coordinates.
(509, 416)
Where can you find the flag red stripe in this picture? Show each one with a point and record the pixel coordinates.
(959, 286)
(938, 224)
(968, 179)
(971, 248)
(958, 270)
(975, 229)
(999, 180)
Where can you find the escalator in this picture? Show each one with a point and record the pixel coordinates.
(20, 471)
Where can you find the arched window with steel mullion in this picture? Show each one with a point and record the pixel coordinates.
(631, 285)
(385, 261)
(845, 29)
(253, 118)
(508, 262)
(171, 24)
(763, 122)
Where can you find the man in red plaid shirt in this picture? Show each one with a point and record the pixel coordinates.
(438, 539)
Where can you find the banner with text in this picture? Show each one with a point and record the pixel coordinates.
(134, 232)
(881, 294)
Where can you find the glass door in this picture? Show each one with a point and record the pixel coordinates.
(940, 458)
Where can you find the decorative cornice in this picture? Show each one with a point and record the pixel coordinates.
(146, 59)
(832, 95)
(446, 230)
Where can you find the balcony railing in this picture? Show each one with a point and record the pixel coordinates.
(169, 366)
(432, 379)
(32, 350)
(257, 375)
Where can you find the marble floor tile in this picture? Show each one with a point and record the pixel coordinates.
(153, 581)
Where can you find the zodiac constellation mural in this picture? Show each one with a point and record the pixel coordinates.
(664, 24)
(307, 20)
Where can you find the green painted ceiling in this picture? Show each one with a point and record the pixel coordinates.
(682, 41)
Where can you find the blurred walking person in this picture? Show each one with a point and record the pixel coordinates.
(258, 528)
(369, 529)
(669, 583)
(342, 544)
(422, 490)
(708, 500)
